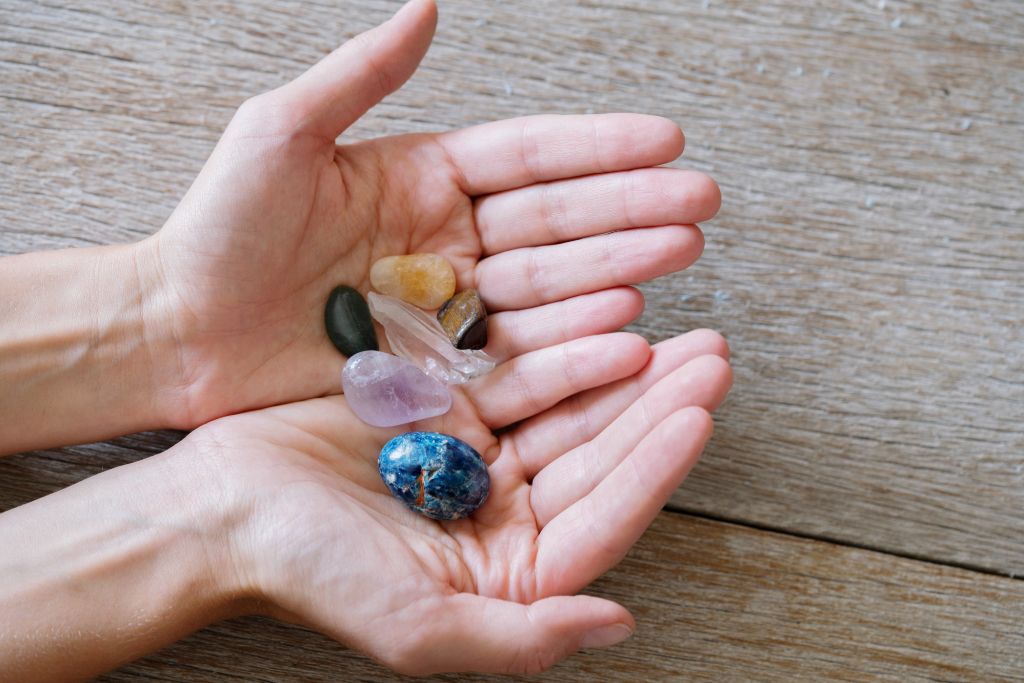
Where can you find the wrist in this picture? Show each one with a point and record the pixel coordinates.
(84, 346)
(212, 514)
(215, 513)
(143, 564)
(162, 328)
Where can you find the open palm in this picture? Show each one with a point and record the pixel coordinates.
(530, 211)
(608, 428)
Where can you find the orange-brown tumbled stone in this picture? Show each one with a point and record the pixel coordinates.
(464, 319)
(424, 280)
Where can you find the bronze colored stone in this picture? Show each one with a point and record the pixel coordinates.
(464, 320)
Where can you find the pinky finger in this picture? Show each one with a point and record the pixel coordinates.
(593, 534)
(466, 632)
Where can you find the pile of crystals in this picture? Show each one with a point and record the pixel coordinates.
(434, 474)
(431, 351)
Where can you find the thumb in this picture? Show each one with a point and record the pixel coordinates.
(345, 84)
(468, 632)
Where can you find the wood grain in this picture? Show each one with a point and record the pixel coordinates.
(713, 602)
(866, 266)
(866, 269)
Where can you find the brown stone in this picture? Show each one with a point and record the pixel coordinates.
(464, 320)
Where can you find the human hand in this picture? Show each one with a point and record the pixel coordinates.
(280, 215)
(317, 538)
(281, 511)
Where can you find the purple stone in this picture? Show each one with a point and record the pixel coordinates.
(385, 390)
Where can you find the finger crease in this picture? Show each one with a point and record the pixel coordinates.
(555, 217)
(533, 274)
(597, 146)
(529, 154)
(527, 394)
(627, 192)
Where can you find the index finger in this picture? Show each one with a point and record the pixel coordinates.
(517, 152)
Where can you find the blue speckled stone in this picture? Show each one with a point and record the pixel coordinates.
(434, 474)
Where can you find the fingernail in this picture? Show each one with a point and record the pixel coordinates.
(606, 636)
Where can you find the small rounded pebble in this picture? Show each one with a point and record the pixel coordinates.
(434, 474)
(348, 322)
(385, 390)
(464, 319)
(424, 280)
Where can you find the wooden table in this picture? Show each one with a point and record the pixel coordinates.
(858, 513)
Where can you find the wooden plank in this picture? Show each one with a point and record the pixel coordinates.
(714, 602)
(866, 267)
(866, 270)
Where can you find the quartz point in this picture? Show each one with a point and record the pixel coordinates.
(385, 390)
(434, 474)
(424, 280)
(416, 335)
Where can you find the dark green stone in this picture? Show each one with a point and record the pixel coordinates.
(348, 322)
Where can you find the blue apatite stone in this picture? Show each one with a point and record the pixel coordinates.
(434, 474)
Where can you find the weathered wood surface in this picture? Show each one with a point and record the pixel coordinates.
(714, 602)
(867, 269)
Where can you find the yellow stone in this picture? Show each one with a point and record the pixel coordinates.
(424, 280)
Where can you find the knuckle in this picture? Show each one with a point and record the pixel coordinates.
(527, 393)
(529, 153)
(271, 113)
(254, 106)
(252, 113)
(554, 215)
(536, 278)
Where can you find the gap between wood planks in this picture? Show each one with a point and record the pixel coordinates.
(823, 538)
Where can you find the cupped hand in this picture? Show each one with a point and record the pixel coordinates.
(606, 428)
(529, 211)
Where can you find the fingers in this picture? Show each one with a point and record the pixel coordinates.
(506, 154)
(533, 382)
(543, 438)
(512, 333)
(702, 382)
(531, 276)
(466, 632)
(341, 87)
(560, 211)
(596, 532)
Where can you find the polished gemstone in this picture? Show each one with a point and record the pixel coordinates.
(385, 390)
(464, 319)
(348, 321)
(417, 336)
(434, 474)
(424, 280)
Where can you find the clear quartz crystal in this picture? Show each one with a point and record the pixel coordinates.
(416, 335)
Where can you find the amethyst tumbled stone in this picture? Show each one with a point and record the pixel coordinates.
(434, 474)
(385, 390)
